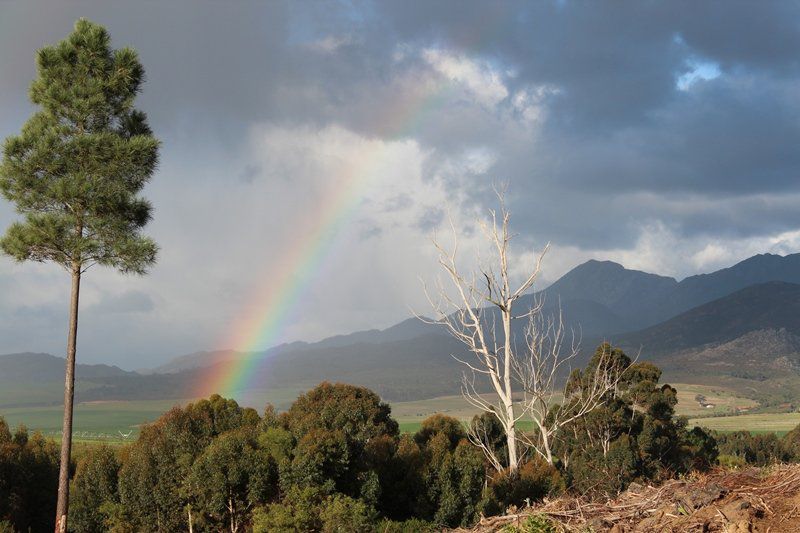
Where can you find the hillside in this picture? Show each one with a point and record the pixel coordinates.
(630, 296)
(702, 288)
(29, 379)
(750, 334)
(43, 368)
(772, 305)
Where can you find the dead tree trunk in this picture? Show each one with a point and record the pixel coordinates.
(470, 309)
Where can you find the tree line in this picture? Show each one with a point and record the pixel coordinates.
(336, 461)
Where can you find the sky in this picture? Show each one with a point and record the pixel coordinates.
(312, 149)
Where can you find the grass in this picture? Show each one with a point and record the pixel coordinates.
(724, 400)
(411, 414)
(779, 423)
(91, 419)
(104, 420)
(108, 418)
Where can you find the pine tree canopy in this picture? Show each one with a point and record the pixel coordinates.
(76, 170)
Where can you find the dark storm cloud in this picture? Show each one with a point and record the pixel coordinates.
(249, 173)
(586, 121)
(431, 218)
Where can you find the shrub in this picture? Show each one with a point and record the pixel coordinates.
(341, 514)
(94, 486)
(299, 511)
(536, 523)
(412, 525)
(439, 424)
(534, 480)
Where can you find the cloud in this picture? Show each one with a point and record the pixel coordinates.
(250, 173)
(126, 302)
(478, 78)
(660, 135)
(697, 71)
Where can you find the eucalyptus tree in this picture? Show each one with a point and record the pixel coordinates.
(510, 378)
(75, 173)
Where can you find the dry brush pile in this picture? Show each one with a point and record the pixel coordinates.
(733, 501)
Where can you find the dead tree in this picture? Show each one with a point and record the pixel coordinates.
(545, 366)
(477, 303)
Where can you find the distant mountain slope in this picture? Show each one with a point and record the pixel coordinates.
(750, 328)
(772, 305)
(702, 288)
(42, 367)
(193, 360)
(609, 283)
(410, 328)
(598, 299)
(754, 355)
(637, 300)
(422, 367)
(406, 330)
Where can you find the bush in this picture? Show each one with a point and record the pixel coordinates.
(94, 486)
(439, 424)
(597, 474)
(534, 480)
(340, 514)
(759, 450)
(412, 525)
(297, 512)
(536, 523)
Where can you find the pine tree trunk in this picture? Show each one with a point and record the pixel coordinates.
(69, 395)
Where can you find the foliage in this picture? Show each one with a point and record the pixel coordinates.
(535, 480)
(535, 523)
(335, 462)
(230, 477)
(297, 511)
(413, 525)
(436, 424)
(336, 428)
(28, 474)
(758, 449)
(341, 514)
(452, 474)
(633, 435)
(76, 169)
(95, 487)
(155, 482)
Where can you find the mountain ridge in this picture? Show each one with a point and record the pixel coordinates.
(413, 359)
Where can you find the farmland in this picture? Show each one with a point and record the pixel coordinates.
(104, 420)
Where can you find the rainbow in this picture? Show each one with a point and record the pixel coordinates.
(271, 309)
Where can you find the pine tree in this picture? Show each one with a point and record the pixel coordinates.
(75, 173)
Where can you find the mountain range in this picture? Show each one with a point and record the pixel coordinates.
(742, 322)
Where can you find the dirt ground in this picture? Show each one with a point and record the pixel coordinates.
(757, 500)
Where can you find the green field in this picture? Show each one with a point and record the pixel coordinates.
(724, 400)
(93, 420)
(105, 420)
(756, 423)
(411, 414)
